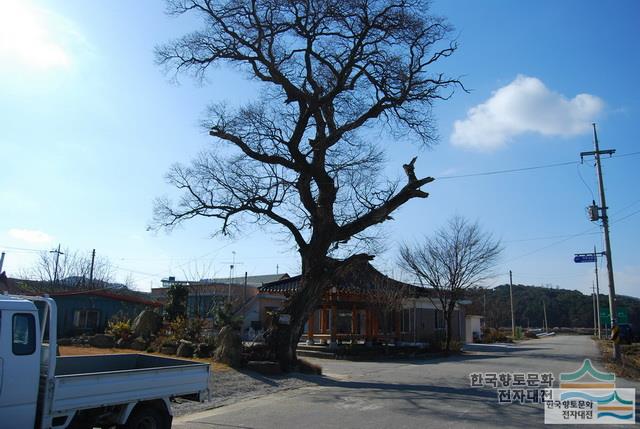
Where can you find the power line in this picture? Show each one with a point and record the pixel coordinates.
(511, 170)
(534, 167)
(551, 237)
(24, 249)
(551, 245)
(625, 217)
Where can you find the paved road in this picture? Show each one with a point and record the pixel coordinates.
(408, 394)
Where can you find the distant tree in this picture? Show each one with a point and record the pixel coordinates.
(298, 156)
(71, 270)
(224, 315)
(456, 259)
(201, 293)
(176, 306)
(386, 297)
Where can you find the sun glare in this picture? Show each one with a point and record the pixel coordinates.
(28, 36)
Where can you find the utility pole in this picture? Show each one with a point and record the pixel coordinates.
(513, 320)
(544, 309)
(244, 291)
(597, 292)
(596, 315)
(93, 258)
(1, 261)
(484, 305)
(231, 267)
(605, 226)
(55, 270)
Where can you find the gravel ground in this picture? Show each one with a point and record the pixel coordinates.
(229, 386)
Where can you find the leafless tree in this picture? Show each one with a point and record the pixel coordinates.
(457, 258)
(298, 156)
(386, 297)
(72, 270)
(200, 292)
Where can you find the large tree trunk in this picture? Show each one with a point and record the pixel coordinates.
(448, 316)
(318, 274)
(316, 278)
(447, 333)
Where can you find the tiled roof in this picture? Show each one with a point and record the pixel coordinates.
(365, 279)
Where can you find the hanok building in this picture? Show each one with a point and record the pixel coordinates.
(367, 306)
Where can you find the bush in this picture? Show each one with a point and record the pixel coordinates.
(187, 329)
(223, 315)
(120, 329)
(518, 335)
(492, 335)
(194, 329)
(178, 328)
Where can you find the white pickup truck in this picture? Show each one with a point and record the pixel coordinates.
(41, 391)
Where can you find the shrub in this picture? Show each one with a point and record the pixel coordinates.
(492, 335)
(178, 328)
(119, 329)
(193, 331)
(177, 301)
(223, 315)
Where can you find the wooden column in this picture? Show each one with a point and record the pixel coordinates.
(354, 320)
(374, 325)
(324, 320)
(334, 323)
(311, 325)
(367, 325)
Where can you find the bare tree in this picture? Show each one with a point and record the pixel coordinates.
(386, 297)
(71, 270)
(457, 258)
(202, 294)
(297, 157)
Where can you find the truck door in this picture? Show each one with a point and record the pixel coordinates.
(19, 368)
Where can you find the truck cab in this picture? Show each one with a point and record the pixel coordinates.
(20, 356)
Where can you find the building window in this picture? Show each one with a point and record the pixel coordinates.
(24, 334)
(86, 319)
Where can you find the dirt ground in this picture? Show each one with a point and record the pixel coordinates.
(629, 365)
(227, 385)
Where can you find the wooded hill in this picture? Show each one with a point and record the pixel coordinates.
(565, 308)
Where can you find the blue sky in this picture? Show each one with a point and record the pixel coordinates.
(90, 126)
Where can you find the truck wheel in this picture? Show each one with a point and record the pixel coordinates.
(148, 417)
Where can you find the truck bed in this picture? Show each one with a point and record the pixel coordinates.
(103, 380)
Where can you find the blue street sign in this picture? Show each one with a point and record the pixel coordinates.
(584, 258)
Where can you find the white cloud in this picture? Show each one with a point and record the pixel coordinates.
(35, 37)
(525, 105)
(30, 235)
